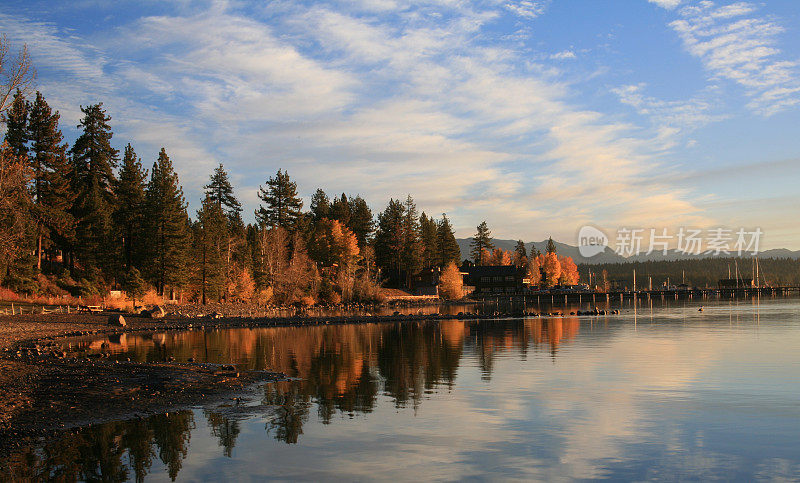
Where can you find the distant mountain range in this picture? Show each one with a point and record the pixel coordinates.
(608, 255)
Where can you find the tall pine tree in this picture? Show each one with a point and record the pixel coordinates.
(16, 119)
(220, 190)
(448, 248)
(167, 227)
(53, 195)
(93, 163)
(129, 215)
(428, 238)
(361, 221)
(283, 206)
(482, 240)
(210, 244)
(320, 206)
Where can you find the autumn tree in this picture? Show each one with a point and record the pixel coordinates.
(535, 267)
(451, 283)
(569, 272)
(15, 204)
(167, 226)
(551, 269)
(282, 207)
(482, 240)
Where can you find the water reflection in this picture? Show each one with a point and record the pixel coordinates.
(115, 451)
(645, 395)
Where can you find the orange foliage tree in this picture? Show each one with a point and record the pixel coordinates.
(499, 257)
(569, 272)
(551, 269)
(535, 265)
(451, 284)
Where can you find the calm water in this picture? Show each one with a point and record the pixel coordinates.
(657, 393)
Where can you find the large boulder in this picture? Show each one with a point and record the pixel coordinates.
(117, 321)
(156, 312)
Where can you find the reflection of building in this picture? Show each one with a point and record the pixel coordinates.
(487, 280)
(729, 283)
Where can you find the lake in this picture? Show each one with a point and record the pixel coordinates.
(661, 391)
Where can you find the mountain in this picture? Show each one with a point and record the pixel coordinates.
(608, 255)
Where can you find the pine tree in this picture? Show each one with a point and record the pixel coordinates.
(482, 240)
(389, 237)
(361, 221)
(129, 215)
(340, 210)
(53, 195)
(16, 120)
(448, 249)
(551, 246)
(221, 192)
(93, 162)
(411, 255)
(428, 238)
(283, 207)
(520, 254)
(320, 206)
(167, 226)
(210, 243)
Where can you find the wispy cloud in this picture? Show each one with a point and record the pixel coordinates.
(734, 45)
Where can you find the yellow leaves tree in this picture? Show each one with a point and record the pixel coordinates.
(451, 285)
(535, 265)
(551, 269)
(569, 272)
(500, 257)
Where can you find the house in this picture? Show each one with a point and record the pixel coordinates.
(496, 280)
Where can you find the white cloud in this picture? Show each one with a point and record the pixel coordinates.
(668, 4)
(563, 55)
(526, 8)
(743, 50)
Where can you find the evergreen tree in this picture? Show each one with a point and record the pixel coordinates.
(93, 162)
(482, 240)
(16, 120)
(340, 210)
(134, 285)
(520, 254)
(283, 207)
(428, 238)
(320, 206)
(53, 195)
(129, 215)
(389, 238)
(221, 192)
(551, 246)
(210, 243)
(448, 248)
(411, 255)
(361, 221)
(167, 226)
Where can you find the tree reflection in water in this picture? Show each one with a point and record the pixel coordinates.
(340, 369)
(116, 451)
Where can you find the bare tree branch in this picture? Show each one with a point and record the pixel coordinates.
(15, 73)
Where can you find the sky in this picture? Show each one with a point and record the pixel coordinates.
(537, 116)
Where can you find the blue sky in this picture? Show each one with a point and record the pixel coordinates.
(538, 116)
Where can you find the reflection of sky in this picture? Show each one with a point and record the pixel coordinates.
(688, 395)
